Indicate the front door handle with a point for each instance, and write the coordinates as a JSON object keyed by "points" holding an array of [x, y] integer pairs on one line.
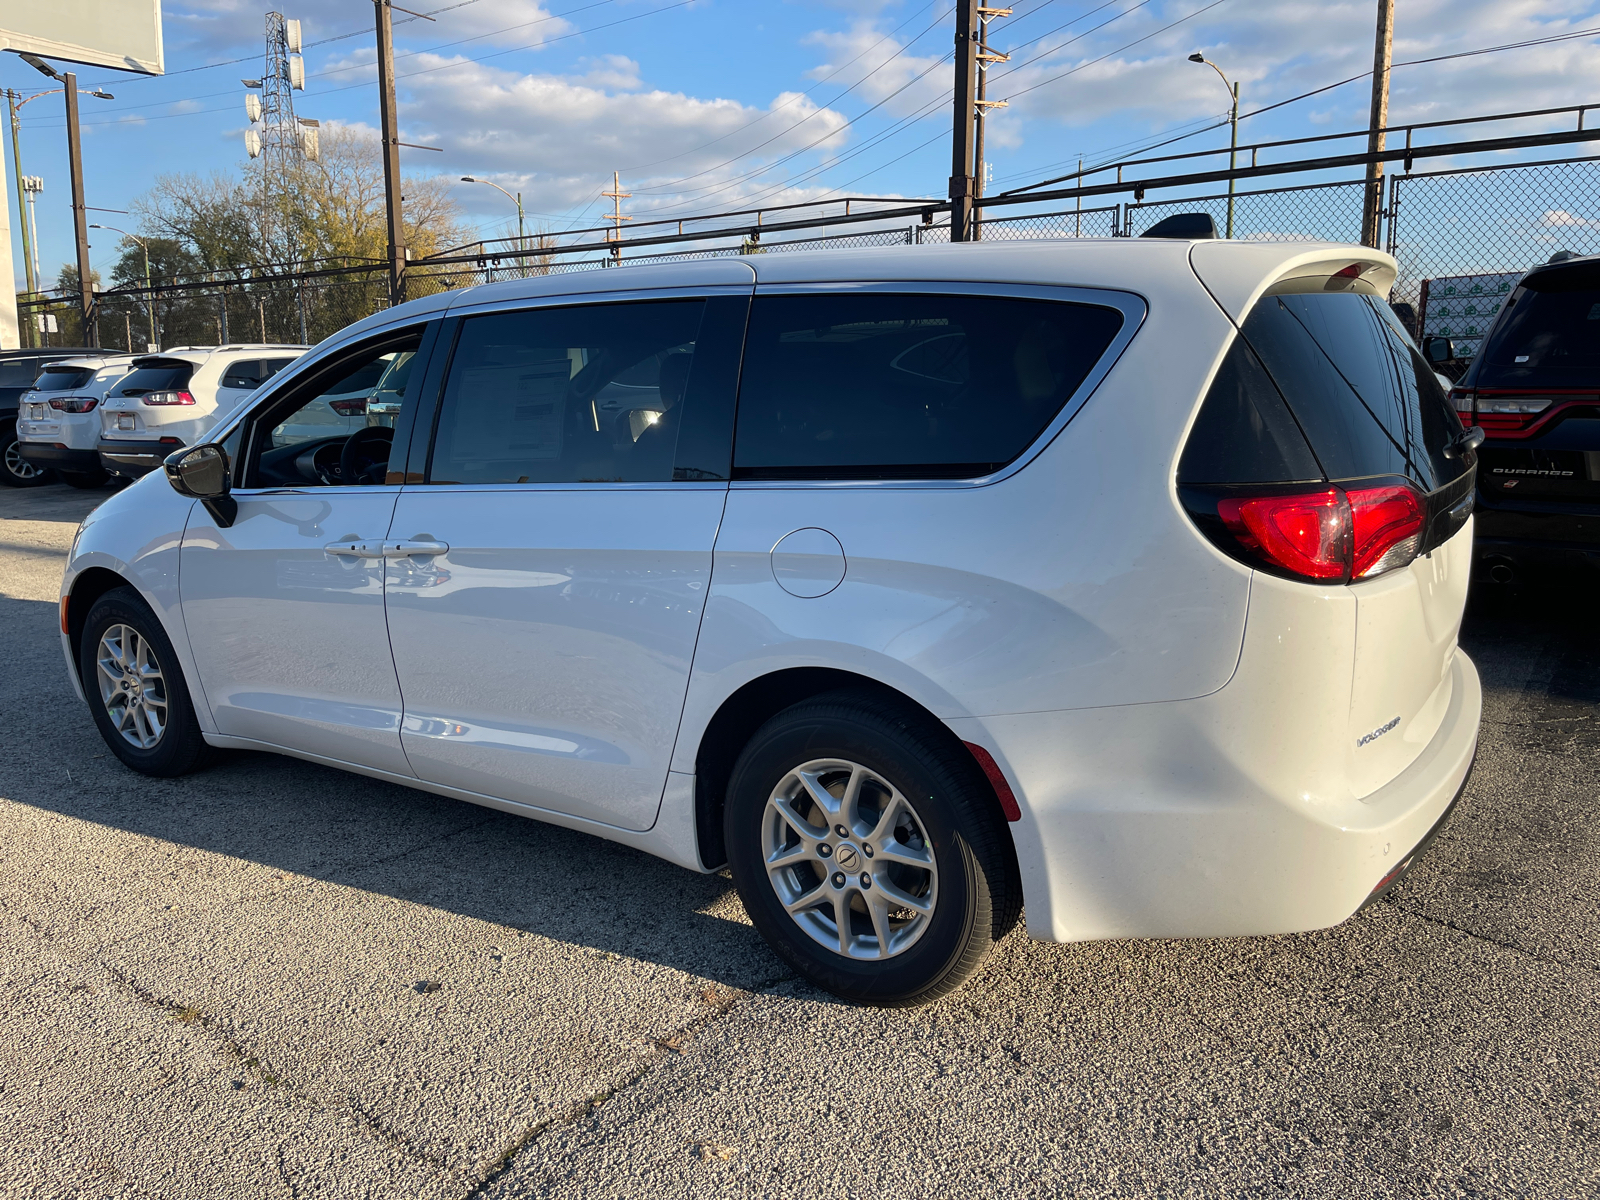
{"points": [[355, 549], [407, 549]]}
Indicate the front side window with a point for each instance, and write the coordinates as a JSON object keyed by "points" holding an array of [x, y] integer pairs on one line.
{"points": [[888, 386], [335, 426], [586, 394]]}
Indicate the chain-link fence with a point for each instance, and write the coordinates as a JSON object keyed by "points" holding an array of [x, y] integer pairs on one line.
{"points": [[1461, 236]]}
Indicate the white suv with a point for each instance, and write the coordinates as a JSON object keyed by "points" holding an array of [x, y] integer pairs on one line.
{"points": [[1118, 579], [170, 399], [58, 422]]}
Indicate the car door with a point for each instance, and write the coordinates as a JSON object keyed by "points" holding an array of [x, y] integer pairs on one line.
{"points": [[545, 584], [284, 602]]}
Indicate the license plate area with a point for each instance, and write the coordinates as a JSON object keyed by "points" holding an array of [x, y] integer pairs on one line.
{"points": [[125, 422], [36, 412]]}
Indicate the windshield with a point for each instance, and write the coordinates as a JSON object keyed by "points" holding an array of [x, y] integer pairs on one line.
{"points": [[62, 379], [1548, 334]]}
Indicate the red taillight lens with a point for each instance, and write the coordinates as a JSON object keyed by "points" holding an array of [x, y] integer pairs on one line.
{"points": [[74, 404], [1462, 398], [1308, 534], [1387, 524], [349, 408], [154, 398], [1332, 535]]}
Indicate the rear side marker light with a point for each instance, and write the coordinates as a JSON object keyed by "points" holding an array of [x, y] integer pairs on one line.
{"points": [[1334, 535], [159, 398], [997, 780], [75, 404]]}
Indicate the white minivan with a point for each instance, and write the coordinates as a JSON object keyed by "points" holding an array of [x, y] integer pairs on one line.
{"points": [[1117, 580]]}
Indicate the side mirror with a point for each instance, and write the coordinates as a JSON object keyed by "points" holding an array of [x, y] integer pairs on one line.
{"points": [[1438, 349], [202, 472]]}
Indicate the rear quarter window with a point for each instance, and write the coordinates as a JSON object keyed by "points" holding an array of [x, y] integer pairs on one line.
{"points": [[897, 386], [1361, 393]]}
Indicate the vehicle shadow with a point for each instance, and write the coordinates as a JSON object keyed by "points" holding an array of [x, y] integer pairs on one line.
{"points": [[319, 823]]}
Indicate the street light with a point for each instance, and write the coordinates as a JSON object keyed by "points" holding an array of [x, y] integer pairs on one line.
{"points": [[521, 244], [1233, 120], [149, 296], [30, 248]]}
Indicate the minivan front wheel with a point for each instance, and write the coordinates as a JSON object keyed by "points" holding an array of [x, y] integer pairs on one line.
{"points": [[867, 850], [136, 689]]}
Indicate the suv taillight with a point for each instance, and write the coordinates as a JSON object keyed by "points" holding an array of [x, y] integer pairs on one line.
{"points": [[75, 404], [1463, 399], [154, 398], [349, 408], [1332, 535]]}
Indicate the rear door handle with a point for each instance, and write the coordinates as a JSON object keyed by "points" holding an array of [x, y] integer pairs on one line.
{"points": [[355, 549], [407, 549]]}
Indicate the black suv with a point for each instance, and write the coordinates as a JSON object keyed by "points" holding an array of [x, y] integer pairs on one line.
{"points": [[18, 370], [1534, 389]]}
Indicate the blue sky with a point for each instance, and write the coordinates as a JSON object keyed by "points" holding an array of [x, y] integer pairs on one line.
{"points": [[709, 104]]}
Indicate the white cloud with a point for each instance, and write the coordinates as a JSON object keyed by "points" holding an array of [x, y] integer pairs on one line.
{"points": [[559, 139], [879, 68], [490, 23]]}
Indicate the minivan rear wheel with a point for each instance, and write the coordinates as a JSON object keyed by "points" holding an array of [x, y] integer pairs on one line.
{"points": [[868, 850], [136, 689]]}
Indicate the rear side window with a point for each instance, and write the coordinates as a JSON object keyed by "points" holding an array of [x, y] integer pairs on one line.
{"points": [[62, 379], [1548, 334], [165, 377], [891, 386], [583, 394], [1361, 393]]}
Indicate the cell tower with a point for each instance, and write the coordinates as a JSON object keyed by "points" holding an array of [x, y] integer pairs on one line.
{"points": [[282, 137]]}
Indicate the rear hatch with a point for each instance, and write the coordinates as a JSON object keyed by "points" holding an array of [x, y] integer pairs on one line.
{"points": [[1534, 389], [154, 393], [1327, 451]]}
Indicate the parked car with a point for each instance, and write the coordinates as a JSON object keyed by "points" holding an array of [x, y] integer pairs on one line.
{"points": [[1534, 390], [58, 422], [171, 399], [18, 369], [1117, 579]]}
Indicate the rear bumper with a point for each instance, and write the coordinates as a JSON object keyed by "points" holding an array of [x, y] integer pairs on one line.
{"points": [[64, 458], [1141, 821], [133, 458]]}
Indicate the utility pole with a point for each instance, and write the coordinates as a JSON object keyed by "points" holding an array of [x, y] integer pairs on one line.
{"points": [[983, 104], [1383, 53], [80, 222], [22, 199], [617, 196], [391, 153], [962, 185]]}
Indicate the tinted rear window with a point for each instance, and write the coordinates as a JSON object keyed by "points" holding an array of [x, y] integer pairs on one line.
{"points": [[62, 379], [1363, 396], [885, 386], [18, 372], [1548, 334], [155, 379]]}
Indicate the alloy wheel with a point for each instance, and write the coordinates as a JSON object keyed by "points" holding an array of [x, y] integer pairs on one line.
{"points": [[132, 686], [849, 859], [17, 465]]}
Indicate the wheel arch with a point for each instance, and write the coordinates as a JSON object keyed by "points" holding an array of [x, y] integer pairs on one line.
{"points": [[89, 586], [754, 703]]}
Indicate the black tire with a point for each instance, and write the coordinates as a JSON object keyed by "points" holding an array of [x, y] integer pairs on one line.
{"points": [[179, 747], [87, 480], [977, 897], [15, 470]]}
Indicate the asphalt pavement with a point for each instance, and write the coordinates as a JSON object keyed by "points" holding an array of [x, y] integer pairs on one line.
{"points": [[275, 979]]}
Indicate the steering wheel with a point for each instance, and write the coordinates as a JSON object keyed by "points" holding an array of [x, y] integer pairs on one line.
{"points": [[361, 460]]}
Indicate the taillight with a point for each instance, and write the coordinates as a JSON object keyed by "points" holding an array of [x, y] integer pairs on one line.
{"points": [[349, 408], [1463, 399], [1333, 535], [155, 398], [75, 404], [1307, 534], [1386, 524]]}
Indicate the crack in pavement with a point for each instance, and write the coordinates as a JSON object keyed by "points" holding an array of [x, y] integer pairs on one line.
{"points": [[719, 1003], [1493, 941]]}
